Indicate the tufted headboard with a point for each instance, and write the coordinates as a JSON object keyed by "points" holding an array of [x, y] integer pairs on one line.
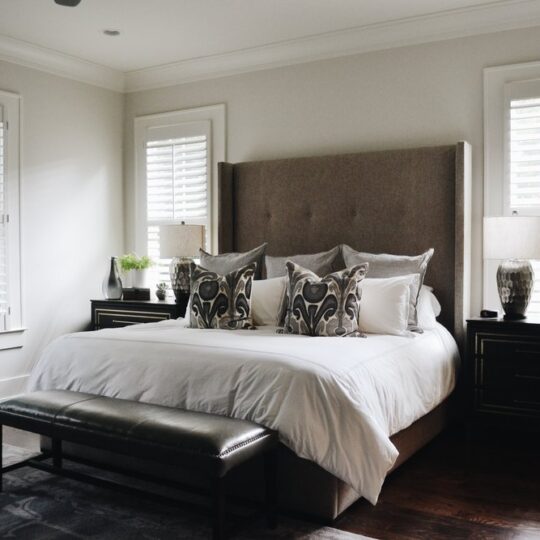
{"points": [[396, 201]]}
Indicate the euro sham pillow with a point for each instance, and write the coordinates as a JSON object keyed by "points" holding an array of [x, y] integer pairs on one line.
{"points": [[428, 308], [226, 263], [385, 305], [385, 265], [327, 306], [221, 301], [321, 263], [266, 298]]}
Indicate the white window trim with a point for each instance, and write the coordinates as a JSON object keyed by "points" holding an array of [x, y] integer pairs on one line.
{"points": [[12, 338], [496, 186], [215, 114]]}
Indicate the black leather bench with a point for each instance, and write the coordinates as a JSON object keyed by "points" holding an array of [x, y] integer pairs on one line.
{"points": [[209, 443]]}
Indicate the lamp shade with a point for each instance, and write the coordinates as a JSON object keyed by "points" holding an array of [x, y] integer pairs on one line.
{"points": [[512, 237], [180, 240]]}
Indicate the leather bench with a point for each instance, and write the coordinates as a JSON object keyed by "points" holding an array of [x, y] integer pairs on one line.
{"points": [[209, 443]]}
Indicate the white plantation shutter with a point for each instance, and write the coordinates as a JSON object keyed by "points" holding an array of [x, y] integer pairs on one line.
{"points": [[3, 225], [522, 159], [177, 185], [524, 155]]}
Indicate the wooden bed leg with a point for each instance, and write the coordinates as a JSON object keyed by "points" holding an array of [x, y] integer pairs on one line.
{"points": [[57, 453], [270, 479], [218, 532]]}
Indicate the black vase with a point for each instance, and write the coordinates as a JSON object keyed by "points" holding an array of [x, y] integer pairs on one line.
{"points": [[112, 284]]}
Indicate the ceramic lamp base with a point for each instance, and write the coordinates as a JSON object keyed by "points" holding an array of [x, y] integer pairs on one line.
{"points": [[179, 271], [515, 281]]}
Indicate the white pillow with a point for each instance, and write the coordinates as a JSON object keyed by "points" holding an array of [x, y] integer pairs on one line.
{"points": [[266, 298], [428, 308], [384, 306]]}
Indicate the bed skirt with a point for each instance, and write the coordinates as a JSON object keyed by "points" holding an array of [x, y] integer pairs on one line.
{"points": [[304, 487]]}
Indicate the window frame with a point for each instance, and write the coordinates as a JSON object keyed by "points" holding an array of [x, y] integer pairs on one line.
{"points": [[500, 85], [12, 336], [215, 116]]}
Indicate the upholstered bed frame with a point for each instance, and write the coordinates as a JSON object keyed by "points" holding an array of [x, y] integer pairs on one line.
{"points": [[402, 201]]}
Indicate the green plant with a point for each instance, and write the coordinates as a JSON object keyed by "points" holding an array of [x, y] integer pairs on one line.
{"points": [[132, 261]]}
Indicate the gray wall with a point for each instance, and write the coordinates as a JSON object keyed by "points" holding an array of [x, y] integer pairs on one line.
{"points": [[422, 95], [71, 206]]}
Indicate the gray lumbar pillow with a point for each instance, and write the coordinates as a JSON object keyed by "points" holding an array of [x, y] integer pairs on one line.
{"points": [[321, 263], [229, 262], [384, 265]]}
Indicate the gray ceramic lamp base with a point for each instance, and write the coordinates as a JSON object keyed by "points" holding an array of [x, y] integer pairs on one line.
{"points": [[180, 276], [515, 281]]}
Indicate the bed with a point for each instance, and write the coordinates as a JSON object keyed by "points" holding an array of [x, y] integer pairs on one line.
{"points": [[348, 410]]}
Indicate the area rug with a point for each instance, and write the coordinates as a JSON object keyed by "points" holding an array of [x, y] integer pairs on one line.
{"points": [[37, 505]]}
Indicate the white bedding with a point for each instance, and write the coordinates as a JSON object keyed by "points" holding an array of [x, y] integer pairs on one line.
{"points": [[335, 401]]}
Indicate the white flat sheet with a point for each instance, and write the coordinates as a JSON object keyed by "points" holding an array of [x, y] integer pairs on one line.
{"points": [[335, 401]]}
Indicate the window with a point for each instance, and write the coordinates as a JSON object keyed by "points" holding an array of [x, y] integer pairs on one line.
{"points": [[10, 295], [177, 156], [511, 155]]}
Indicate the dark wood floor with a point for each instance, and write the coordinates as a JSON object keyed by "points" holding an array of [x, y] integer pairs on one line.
{"points": [[446, 492]]}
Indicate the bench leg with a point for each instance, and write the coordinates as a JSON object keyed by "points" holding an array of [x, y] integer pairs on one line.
{"points": [[57, 453], [270, 479], [1, 458], [219, 509]]}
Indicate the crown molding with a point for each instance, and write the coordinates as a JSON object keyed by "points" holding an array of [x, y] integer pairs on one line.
{"points": [[480, 19], [63, 65]]}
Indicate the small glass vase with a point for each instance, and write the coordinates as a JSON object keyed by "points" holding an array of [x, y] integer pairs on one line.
{"points": [[112, 284]]}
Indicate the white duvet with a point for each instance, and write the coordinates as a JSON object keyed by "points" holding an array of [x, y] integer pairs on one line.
{"points": [[335, 401]]}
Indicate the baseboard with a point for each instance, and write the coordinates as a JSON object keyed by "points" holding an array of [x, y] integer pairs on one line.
{"points": [[13, 386]]}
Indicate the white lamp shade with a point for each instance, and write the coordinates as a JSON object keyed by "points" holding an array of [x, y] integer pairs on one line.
{"points": [[180, 240], [512, 237]]}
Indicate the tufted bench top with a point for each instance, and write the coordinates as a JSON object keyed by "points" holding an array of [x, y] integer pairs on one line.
{"points": [[184, 438]]}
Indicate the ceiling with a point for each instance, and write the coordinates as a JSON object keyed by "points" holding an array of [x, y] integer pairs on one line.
{"points": [[161, 32]]}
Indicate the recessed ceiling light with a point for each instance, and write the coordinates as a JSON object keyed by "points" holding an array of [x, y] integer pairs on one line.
{"points": [[111, 32]]}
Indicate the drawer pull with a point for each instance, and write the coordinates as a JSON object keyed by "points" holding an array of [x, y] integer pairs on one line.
{"points": [[527, 377], [521, 402], [124, 322]]}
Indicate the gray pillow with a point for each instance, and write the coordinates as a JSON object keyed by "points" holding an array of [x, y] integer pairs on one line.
{"points": [[229, 262], [321, 263], [324, 306], [385, 265]]}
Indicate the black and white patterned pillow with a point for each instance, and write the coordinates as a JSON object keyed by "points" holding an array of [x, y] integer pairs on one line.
{"points": [[327, 306], [218, 301]]}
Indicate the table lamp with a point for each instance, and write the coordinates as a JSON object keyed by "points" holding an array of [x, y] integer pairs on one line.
{"points": [[182, 244], [516, 240]]}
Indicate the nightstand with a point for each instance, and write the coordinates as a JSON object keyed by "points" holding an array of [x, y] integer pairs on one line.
{"points": [[503, 372], [118, 313]]}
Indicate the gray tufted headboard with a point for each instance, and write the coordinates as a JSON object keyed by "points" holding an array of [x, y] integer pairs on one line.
{"points": [[397, 201]]}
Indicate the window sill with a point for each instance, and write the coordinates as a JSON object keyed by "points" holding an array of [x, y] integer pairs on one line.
{"points": [[12, 339]]}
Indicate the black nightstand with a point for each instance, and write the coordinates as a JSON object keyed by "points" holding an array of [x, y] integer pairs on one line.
{"points": [[118, 313], [503, 372]]}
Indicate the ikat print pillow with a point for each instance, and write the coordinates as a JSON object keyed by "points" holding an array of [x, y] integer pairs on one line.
{"points": [[327, 306], [218, 301]]}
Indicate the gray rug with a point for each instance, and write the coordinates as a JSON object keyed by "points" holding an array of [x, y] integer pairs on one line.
{"points": [[37, 505]]}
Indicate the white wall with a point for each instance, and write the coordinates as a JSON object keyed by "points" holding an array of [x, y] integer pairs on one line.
{"points": [[71, 206], [422, 95]]}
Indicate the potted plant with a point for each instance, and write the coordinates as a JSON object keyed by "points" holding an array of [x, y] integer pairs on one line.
{"points": [[161, 290], [135, 267]]}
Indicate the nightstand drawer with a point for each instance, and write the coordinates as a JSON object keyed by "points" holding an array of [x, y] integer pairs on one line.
{"points": [[110, 318], [520, 398], [503, 361]]}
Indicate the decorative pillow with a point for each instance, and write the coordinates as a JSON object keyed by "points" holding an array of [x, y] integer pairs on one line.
{"points": [[221, 301], [384, 265], [228, 262], [321, 263], [266, 297], [327, 306], [385, 305]]}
